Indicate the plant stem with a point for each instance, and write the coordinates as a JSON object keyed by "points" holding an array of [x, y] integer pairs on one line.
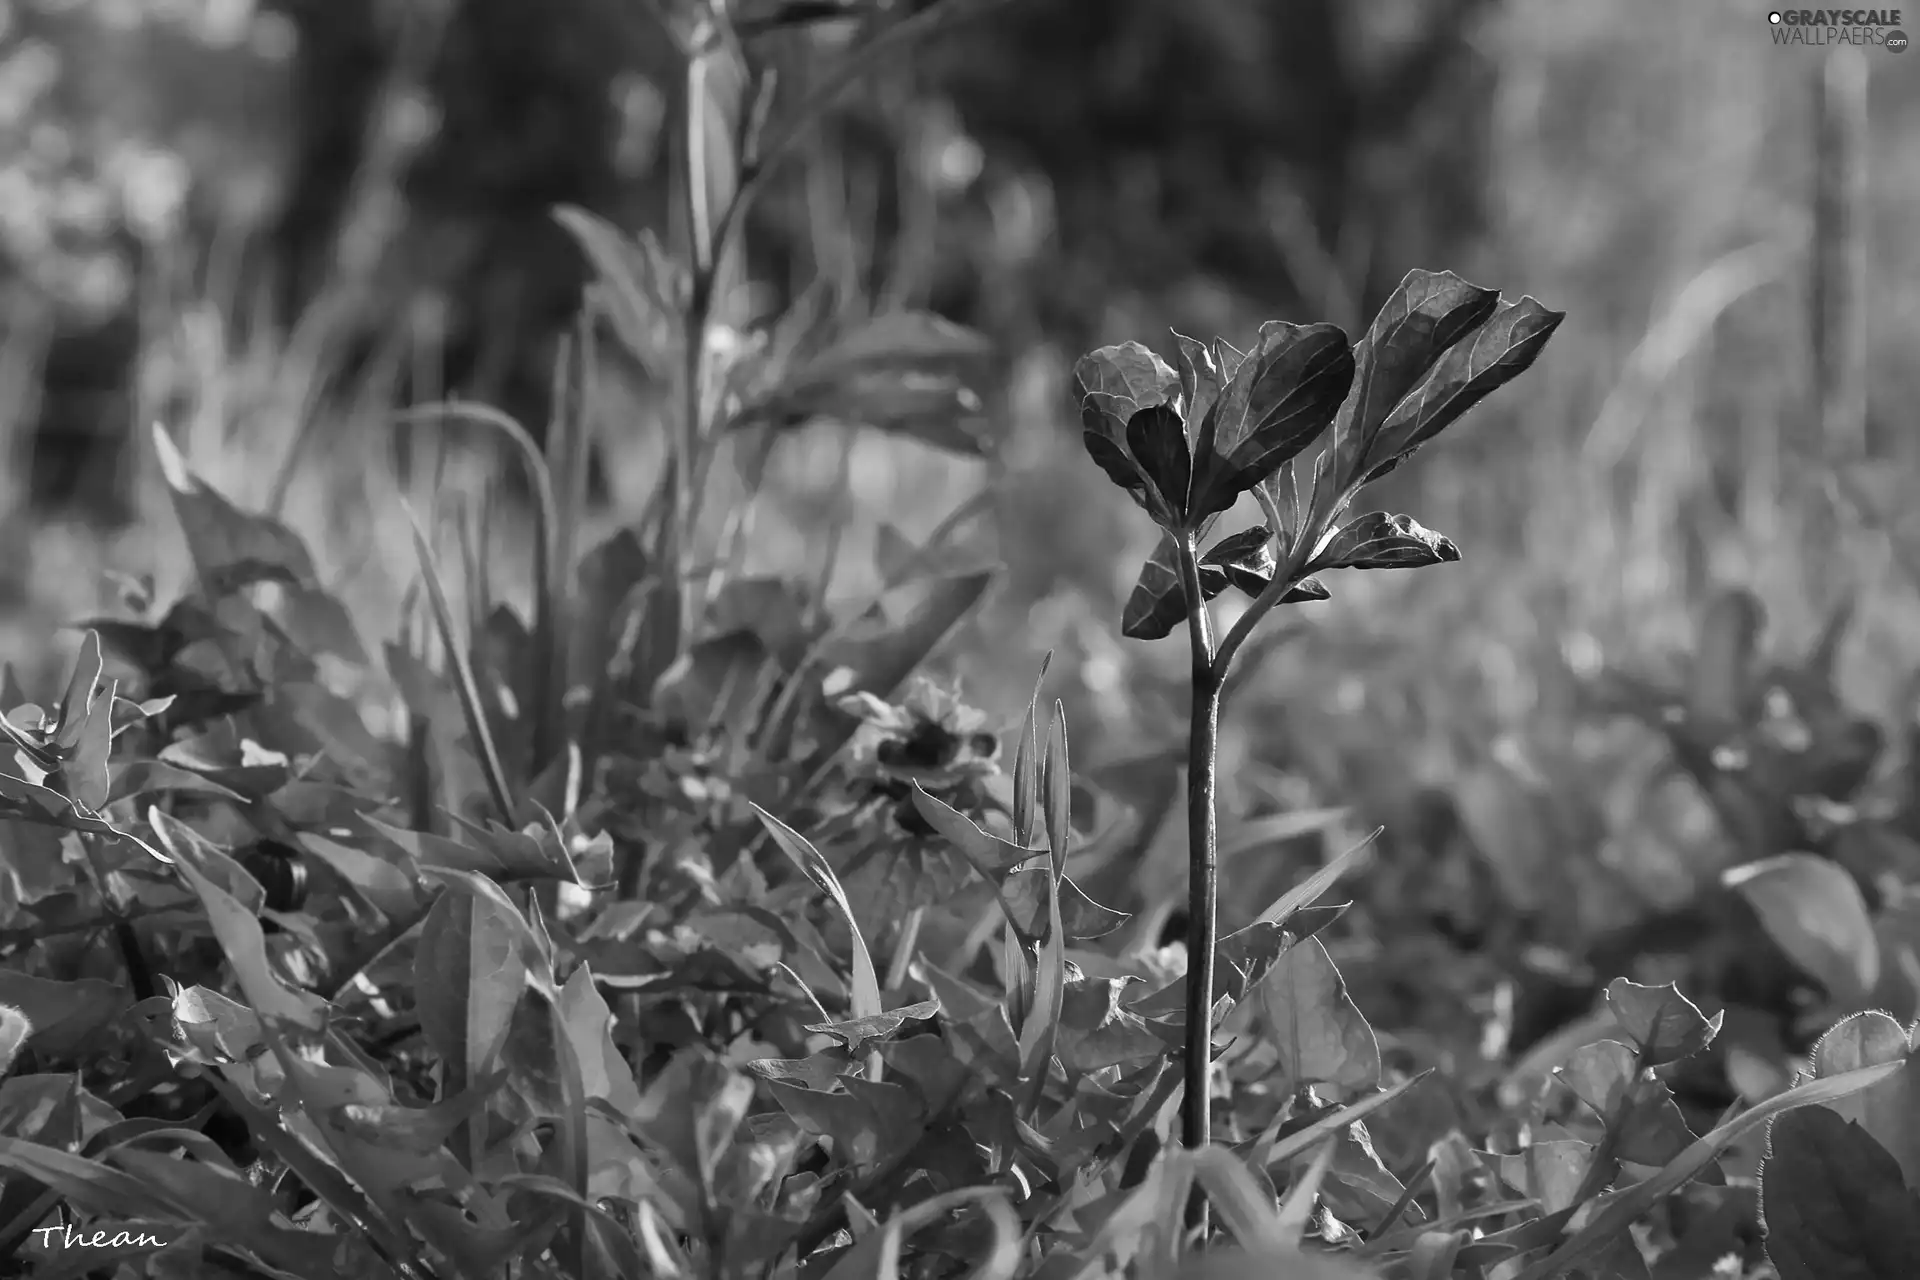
{"points": [[1203, 867]]}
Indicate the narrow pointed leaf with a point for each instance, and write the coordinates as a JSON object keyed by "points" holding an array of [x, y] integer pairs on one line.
{"points": [[865, 986], [1058, 784], [1026, 765]]}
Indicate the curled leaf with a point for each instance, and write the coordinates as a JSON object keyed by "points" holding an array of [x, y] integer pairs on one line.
{"points": [[1245, 558], [1381, 541], [1113, 384], [1663, 1024]]}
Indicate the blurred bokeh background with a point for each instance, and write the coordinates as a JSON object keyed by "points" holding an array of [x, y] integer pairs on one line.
{"points": [[269, 224]]}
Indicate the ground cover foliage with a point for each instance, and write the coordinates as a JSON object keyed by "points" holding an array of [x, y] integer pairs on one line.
{"points": [[688, 921]]}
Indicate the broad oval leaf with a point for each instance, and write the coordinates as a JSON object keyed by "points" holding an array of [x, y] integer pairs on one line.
{"points": [[1381, 541], [1505, 346], [1890, 1110], [1815, 911], [1833, 1202], [1284, 394]]}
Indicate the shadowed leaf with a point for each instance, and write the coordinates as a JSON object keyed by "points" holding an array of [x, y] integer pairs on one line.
{"points": [[1158, 443], [1285, 393], [1158, 603], [1833, 1202]]}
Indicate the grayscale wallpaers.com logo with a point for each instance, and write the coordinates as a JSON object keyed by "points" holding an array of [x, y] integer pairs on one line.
{"points": [[1839, 26]]}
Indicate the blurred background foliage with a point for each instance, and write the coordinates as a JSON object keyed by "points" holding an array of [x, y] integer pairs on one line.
{"points": [[269, 223]]}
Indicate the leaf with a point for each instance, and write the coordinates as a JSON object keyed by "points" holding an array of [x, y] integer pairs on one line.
{"points": [[1319, 1033], [1082, 917], [1057, 785], [1026, 766], [1282, 397], [1425, 316], [1112, 384], [860, 1033], [62, 1017], [231, 548], [1200, 380], [1503, 348], [132, 779], [604, 1070], [606, 580], [1158, 443], [1833, 1202], [1097, 1030], [909, 373], [1381, 541], [1158, 603], [238, 931], [1311, 889], [506, 856], [1814, 910], [14, 1030], [1663, 1024], [1629, 1205], [465, 685], [991, 856], [1246, 558], [380, 884], [639, 287], [1889, 1111], [25, 802], [865, 988], [469, 971]]}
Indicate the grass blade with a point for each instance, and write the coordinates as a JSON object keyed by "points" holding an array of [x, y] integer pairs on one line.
{"points": [[470, 704], [865, 987]]}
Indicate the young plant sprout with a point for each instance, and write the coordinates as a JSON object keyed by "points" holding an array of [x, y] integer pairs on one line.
{"points": [[1187, 443]]}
